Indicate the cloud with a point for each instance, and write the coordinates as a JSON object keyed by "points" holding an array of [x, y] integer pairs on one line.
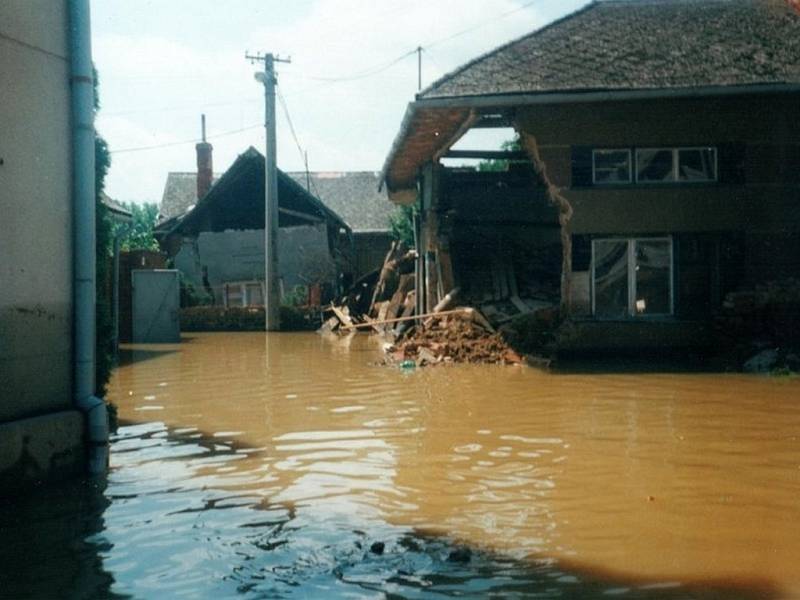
{"points": [[154, 86]]}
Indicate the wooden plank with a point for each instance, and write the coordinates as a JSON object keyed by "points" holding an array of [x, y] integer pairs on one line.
{"points": [[445, 261], [455, 311], [340, 314], [512, 279], [519, 304]]}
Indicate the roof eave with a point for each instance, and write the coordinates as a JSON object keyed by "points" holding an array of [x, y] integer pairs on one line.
{"points": [[400, 191]]}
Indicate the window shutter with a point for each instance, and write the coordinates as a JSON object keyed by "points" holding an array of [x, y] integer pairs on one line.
{"points": [[732, 163], [581, 166]]}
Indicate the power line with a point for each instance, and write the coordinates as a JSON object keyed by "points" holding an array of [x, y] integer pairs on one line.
{"points": [[479, 25], [303, 154], [366, 72], [193, 107], [291, 125], [181, 143]]}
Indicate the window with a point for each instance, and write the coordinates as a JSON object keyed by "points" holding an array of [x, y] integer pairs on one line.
{"points": [[659, 165], [632, 278], [611, 166], [697, 164], [243, 293]]}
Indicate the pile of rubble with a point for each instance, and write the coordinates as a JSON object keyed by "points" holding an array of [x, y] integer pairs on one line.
{"points": [[384, 302], [453, 338]]}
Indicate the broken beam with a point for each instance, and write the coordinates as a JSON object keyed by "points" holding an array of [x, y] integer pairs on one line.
{"points": [[486, 154], [444, 313]]}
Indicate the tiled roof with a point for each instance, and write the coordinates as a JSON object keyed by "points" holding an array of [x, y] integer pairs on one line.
{"points": [[353, 195], [641, 45], [180, 192], [116, 209], [236, 201]]}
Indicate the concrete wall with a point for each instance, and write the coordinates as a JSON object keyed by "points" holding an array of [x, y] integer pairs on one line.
{"points": [[41, 436], [303, 257], [35, 202]]}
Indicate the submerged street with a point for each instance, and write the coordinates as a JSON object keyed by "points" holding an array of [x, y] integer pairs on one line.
{"points": [[291, 465]]}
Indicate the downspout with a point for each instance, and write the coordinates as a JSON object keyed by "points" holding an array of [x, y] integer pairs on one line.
{"points": [[83, 226]]}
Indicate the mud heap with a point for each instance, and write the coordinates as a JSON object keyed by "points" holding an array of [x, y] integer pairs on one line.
{"points": [[456, 338]]}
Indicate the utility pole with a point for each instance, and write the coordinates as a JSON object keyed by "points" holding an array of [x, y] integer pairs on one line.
{"points": [[272, 290], [419, 68]]}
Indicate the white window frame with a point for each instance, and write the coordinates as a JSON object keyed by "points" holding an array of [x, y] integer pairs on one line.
{"points": [[242, 285], [676, 180], [595, 151], [631, 264], [678, 164]]}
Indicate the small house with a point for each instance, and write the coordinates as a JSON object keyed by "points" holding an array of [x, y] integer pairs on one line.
{"points": [[216, 236]]}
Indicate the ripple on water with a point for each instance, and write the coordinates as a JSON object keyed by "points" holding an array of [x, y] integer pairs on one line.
{"points": [[253, 479]]}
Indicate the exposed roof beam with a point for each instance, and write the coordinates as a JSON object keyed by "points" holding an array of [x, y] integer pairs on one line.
{"points": [[486, 154], [300, 215]]}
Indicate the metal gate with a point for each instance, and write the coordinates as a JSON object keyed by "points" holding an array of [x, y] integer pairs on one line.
{"points": [[156, 299]]}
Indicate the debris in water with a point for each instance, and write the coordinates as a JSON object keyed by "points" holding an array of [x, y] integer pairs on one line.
{"points": [[377, 548], [460, 555]]}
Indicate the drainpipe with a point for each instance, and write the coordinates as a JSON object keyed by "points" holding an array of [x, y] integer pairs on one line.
{"points": [[83, 225]]}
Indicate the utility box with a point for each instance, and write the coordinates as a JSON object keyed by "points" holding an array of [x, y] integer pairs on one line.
{"points": [[156, 300]]}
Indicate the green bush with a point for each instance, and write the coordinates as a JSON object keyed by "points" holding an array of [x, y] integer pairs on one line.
{"points": [[250, 318]]}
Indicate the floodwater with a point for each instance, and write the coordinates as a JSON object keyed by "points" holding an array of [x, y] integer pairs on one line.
{"points": [[269, 466]]}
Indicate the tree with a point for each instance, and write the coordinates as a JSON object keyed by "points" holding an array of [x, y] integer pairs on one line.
{"points": [[401, 224], [512, 145], [104, 350], [138, 235]]}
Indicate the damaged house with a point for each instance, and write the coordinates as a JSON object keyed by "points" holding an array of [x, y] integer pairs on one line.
{"points": [[658, 170], [354, 196], [218, 243]]}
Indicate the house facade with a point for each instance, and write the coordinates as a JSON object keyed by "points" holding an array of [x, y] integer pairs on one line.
{"points": [[658, 170]]}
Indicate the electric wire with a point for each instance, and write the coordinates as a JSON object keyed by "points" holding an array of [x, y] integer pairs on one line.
{"points": [[285, 109], [325, 81], [182, 142]]}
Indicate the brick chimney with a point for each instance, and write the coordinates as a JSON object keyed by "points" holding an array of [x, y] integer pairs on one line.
{"points": [[205, 168]]}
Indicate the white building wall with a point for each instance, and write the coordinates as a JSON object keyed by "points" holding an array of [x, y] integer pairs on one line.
{"points": [[35, 209]]}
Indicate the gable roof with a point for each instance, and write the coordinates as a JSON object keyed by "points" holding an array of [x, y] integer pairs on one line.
{"points": [[353, 195], [180, 192], [641, 44], [115, 209], [236, 201], [607, 50]]}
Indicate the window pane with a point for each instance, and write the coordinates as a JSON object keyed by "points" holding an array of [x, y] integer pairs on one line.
{"points": [[611, 278], [653, 277], [254, 295], [697, 164], [234, 297], [654, 165], [612, 166]]}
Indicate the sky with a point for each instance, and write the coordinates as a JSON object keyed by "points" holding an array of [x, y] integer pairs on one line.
{"points": [[353, 70]]}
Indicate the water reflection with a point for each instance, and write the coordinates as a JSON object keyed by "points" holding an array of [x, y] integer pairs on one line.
{"points": [[271, 468]]}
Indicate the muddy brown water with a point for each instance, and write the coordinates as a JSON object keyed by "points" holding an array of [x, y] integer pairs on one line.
{"points": [[268, 466]]}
